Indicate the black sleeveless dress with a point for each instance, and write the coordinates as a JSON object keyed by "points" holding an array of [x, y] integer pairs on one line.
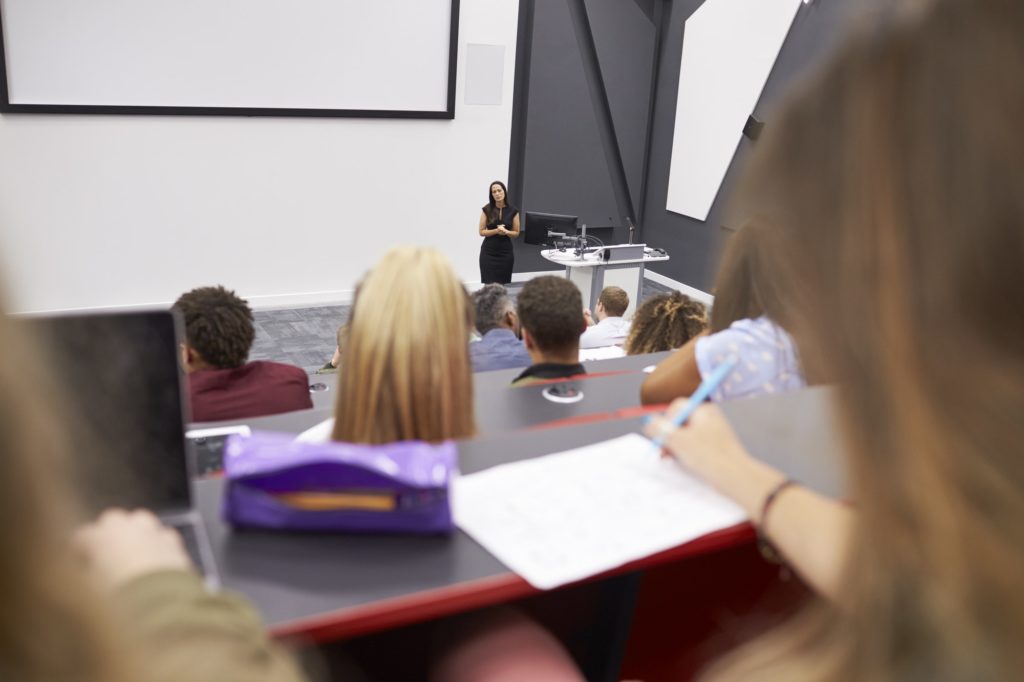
{"points": [[496, 255]]}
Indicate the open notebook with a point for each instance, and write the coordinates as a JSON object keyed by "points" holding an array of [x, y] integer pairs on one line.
{"points": [[567, 516]]}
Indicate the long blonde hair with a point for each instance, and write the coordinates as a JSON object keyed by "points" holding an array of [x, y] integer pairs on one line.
{"points": [[52, 626], [899, 179], [405, 370]]}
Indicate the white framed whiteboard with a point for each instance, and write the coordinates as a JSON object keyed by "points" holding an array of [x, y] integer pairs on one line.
{"points": [[366, 58]]}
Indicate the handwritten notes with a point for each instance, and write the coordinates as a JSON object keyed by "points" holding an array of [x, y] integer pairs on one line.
{"points": [[564, 517]]}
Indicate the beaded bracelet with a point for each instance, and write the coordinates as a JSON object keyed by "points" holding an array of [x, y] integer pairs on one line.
{"points": [[768, 550]]}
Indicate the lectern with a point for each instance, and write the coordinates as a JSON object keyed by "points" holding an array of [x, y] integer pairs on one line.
{"points": [[594, 269]]}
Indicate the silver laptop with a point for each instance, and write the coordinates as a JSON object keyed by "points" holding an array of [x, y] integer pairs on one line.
{"points": [[123, 389]]}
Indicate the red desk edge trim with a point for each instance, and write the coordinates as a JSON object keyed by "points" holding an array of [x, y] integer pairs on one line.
{"points": [[430, 604]]}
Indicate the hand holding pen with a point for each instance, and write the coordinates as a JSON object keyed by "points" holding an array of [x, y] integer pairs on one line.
{"points": [[701, 439], [683, 411]]}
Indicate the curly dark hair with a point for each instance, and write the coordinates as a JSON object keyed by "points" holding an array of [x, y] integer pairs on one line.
{"points": [[551, 309], [664, 322], [218, 325]]}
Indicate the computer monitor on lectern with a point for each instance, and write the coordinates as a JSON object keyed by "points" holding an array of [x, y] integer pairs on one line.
{"points": [[538, 225]]}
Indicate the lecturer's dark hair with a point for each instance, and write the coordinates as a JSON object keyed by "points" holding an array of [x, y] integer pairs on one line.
{"points": [[491, 209]]}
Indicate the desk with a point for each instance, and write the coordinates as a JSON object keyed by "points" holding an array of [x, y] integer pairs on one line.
{"points": [[483, 381], [338, 586], [287, 422], [591, 274], [604, 396], [322, 389], [326, 384], [612, 386]]}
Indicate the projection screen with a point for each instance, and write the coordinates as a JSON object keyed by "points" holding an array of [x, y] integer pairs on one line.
{"points": [[393, 58]]}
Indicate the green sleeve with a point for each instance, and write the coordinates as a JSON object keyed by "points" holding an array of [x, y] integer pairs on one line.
{"points": [[188, 633]]}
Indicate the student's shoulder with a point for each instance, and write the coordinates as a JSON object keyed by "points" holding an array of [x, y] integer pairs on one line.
{"points": [[740, 338], [279, 369], [744, 333]]}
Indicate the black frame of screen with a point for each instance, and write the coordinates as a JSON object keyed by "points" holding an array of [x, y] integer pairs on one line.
{"points": [[449, 113]]}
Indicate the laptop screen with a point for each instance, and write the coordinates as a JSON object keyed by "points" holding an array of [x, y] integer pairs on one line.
{"points": [[122, 391]]}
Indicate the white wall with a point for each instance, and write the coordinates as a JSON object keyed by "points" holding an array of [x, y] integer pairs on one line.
{"points": [[122, 211]]}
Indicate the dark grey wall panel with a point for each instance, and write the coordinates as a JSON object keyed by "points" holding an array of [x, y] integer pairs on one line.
{"points": [[648, 7], [580, 146], [572, 98], [565, 164], [694, 245], [563, 160], [625, 39]]}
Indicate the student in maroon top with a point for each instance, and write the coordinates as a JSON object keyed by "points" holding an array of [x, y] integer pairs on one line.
{"points": [[222, 385]]}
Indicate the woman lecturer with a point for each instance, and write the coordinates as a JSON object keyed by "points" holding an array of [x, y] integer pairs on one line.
{"points": [[499, 225]]}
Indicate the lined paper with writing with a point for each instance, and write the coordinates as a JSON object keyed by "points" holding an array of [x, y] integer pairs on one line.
{"points": [[564, 517]]}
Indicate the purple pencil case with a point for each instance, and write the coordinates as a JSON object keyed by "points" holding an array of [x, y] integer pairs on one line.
{"points": [[275, 482]]}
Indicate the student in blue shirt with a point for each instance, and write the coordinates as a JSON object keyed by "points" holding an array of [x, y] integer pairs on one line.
{"points": [[498, 324], [747, 321]]}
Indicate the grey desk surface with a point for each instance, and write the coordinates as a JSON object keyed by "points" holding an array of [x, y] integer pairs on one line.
{"points": [[499, 407], [301, 582], [322, 389], [289, 422], [509, 409], [630, 363]]}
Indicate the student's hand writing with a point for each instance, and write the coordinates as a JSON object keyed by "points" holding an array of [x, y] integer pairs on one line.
{"points": [[122, 545], [706, 445]]}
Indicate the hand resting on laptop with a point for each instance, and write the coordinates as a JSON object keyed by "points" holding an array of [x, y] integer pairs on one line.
{"points": [[122, 545]]}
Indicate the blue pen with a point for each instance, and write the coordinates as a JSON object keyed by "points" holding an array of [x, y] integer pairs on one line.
{"points": [[700, 395]]}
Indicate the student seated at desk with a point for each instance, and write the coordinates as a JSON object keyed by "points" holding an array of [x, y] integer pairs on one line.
{"points": [[406, 375], [745, 322], [610, 328], [125, 605], [405, 371], [665, 322], [218, 335], [551, 314], [903, 250], [499, 346], [331, 366]]}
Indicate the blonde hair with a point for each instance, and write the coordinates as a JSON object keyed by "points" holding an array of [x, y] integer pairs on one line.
{"points": [[899, 179], [405, 373], [52, 625]]}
